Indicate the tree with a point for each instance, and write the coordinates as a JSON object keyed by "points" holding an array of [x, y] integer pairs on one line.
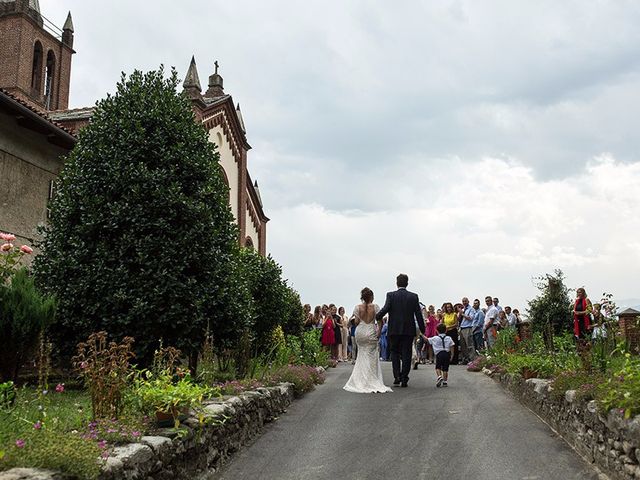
{"points": [[264, 277], [141, 239], [293, 318], [550, 311], [24, 314]]}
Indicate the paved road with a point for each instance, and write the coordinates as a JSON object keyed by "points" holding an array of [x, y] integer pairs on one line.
{"points": [[471, 430]]}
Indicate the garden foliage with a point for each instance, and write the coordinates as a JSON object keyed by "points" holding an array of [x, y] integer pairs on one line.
{"points": [[141, 237]]}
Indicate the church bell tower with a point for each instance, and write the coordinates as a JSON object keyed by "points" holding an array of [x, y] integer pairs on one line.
{"points": [[35, 55]]}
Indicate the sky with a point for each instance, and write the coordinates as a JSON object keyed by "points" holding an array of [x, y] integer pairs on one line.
{"points": [[473, 145]]}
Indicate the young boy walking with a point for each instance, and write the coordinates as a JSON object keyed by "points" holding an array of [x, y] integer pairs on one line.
{"points": [[443, 349]]}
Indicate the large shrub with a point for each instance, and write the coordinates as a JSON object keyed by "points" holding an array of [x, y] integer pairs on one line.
{"points": [[550, 311], [24, 314], [269, 294], [141, 236]]}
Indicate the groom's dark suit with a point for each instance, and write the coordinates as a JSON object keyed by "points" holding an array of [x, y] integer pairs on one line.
{"points": [[404, 311]]}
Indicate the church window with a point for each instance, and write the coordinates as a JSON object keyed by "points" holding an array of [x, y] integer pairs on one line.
{"points": [[248, 242], [36, 71], [48, 84], [52, 194]]}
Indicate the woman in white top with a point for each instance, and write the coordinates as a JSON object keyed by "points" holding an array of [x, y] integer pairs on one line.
{"points": [[366, 376], [345, 335]]}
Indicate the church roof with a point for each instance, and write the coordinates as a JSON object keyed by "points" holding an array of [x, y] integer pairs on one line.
{"points": [[68, 24], [72, 114], [192, 80]]}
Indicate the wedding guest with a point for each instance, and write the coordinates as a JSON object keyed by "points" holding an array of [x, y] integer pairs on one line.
{"points": [[440, 316], [431, 331], [337, 327], [344, 334], [581, 312], [352, 337], [308, 317], [502, 320], [489, 329], [512, 320], [450, 320], [495, 302], [317, 317], [465, 317], [383, 340], [328, 334], [477, 324], [443, 347]]}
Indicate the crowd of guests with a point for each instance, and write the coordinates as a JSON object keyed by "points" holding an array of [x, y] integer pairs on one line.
{"points": [[471, 327]]}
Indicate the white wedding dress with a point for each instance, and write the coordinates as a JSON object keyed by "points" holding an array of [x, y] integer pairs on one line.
{"points": [[366, 376]]}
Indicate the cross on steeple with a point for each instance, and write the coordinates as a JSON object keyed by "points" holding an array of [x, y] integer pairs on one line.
{"points": [[216, 65]]}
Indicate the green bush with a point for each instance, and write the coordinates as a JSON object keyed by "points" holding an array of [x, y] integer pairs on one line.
{"points": [[24, 313], [312, 352], [622, 388], [141, 236]]}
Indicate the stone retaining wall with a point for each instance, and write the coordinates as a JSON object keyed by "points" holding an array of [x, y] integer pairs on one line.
{"points": [[609, 441], [192, 451]]}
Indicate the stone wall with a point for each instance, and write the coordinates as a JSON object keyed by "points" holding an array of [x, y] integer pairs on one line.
{"points": [[194, 450], [609, 441]]}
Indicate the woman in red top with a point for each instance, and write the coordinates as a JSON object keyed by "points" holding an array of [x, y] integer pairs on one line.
{"points": [[328, 333], [581, 312]]}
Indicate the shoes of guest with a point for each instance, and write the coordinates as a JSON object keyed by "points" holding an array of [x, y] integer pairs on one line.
{"points": [[404, 385], [439, 382], [415, 366], [396, 382], [444, 384]]}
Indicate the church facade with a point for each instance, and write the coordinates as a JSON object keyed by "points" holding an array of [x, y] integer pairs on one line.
{"points": [[37, 128]]}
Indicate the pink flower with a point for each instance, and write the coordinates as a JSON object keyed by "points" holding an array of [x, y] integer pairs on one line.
{"points": [[6, 247], [26, 249], [7, 237], [37, 425], [20, 443], [135, 433], [60, 388], [102, 444], [83, 365]]}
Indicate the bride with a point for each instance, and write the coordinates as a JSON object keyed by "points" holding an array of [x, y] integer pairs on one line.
{"points": [[366, 376]]}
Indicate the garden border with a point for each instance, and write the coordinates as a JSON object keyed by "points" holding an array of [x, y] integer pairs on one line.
{"points": [[195, 448], [611, 442]]}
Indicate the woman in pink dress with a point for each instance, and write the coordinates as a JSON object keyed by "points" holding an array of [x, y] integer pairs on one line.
{"points": [[430, 331]]}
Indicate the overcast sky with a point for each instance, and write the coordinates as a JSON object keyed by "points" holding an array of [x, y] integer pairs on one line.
{"points": [[471, 144]]}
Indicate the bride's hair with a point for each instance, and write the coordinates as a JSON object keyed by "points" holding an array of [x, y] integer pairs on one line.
{"points": [[366, 295]]}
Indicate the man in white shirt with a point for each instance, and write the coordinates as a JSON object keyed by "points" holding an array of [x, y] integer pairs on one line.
{"points": [[511, 317], [490, 321]]}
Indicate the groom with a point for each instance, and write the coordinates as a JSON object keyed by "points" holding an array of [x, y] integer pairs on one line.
{"points": [[404, 311]]}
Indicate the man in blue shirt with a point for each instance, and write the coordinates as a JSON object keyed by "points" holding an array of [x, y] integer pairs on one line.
{"points": [[467, 350], [476, 326]]}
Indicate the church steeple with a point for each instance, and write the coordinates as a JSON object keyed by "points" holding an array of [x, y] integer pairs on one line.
{"points": [[67, 31], [191, 82], [215, 84]]}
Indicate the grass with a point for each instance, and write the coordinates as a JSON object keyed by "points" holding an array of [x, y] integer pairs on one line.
{"points": [[63, 412]]}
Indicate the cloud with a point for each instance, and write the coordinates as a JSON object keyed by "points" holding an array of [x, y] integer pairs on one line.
{"points": [[491, 233]]}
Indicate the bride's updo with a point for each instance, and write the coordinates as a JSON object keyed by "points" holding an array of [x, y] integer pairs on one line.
{"points": [[366, 295]]}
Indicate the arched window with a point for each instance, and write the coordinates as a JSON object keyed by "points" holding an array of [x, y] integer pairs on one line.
{"points": [[248, 242], [49, 76], [226, 181], [36, 71]]}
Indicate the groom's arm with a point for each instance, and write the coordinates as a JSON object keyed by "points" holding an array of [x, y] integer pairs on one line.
{"points": [[418, 315], [385, 309]]}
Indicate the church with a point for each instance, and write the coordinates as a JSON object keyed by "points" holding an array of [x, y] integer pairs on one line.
{"points": [[37, 128]]}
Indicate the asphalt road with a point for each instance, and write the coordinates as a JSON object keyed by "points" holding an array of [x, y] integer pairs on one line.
{"points": [[470, 430]]}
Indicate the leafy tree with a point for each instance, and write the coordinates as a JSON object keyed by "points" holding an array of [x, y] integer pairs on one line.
{"points": [[141, 238], [24, 313], [293, 315], [269, 293], [550, 311]]}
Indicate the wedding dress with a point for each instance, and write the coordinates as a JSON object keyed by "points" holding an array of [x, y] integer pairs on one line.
{"points": [[366, 376]]}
